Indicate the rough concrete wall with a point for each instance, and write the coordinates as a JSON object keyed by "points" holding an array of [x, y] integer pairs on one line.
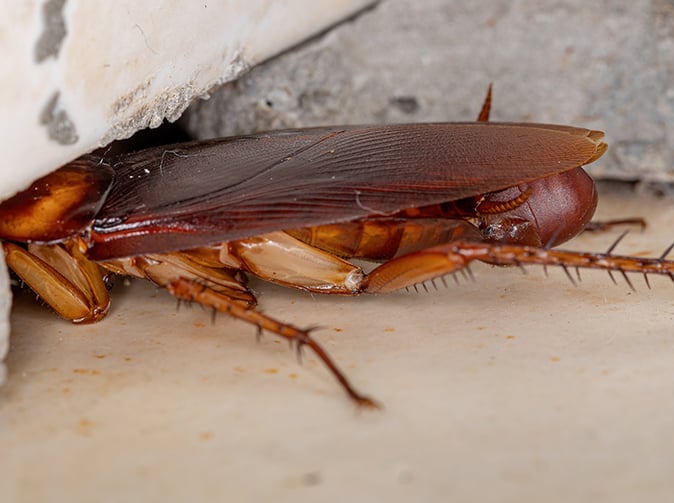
{"points": [[606, 64]]}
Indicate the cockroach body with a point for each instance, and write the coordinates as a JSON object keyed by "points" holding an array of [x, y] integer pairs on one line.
{"points": [[292, 206]]}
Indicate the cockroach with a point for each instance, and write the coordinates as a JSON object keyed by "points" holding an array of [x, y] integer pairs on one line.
{"points": [[291, 207]]}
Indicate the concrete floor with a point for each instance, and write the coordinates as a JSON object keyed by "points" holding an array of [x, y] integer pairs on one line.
{"points": [[512, 388]]}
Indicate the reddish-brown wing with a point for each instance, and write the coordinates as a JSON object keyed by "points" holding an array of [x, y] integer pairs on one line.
{"points": [[200, 193]]}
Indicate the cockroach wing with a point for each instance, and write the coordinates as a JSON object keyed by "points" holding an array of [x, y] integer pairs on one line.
{"points": [[200, 193]]}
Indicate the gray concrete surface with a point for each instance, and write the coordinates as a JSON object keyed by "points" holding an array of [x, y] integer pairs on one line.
{"points": [[606, 64]]}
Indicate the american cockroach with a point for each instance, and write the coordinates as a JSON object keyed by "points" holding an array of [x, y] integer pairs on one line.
{"points": [[292, 206]]}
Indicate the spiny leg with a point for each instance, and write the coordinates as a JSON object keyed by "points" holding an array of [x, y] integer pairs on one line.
{"points": [[436, 261], [519, 255], [604, 225], [193, 291]]}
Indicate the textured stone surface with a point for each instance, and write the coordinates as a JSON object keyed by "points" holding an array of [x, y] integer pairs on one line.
{"points": [[607, 65]]}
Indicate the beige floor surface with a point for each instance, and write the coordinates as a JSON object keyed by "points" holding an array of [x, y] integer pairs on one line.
{"points": [[513, 388]]}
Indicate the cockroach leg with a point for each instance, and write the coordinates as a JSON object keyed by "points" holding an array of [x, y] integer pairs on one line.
{"points": [[162, 268], [193, 291], [421, 266], [601, 226], [283, 259], [70, 283], [504, 254]]}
